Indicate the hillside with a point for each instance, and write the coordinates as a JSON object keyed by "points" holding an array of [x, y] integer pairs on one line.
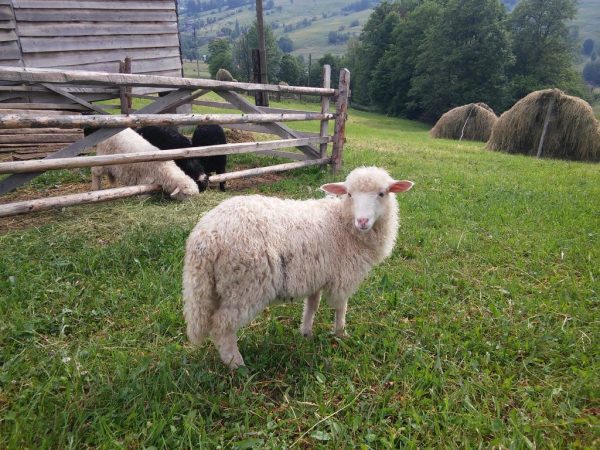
{"points": [[309, 22]]}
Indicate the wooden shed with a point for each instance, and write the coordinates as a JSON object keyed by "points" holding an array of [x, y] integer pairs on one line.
{"points": [[94, 35]]}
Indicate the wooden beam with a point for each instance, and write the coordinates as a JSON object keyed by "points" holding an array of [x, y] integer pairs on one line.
{"points": [[160, 155], [138, 120], [270, 169], [276, 128], [13, 209], [340, 121], [80, 77]]}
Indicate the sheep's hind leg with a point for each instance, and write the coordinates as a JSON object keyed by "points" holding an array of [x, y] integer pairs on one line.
{"points": [[311, 304], [225, 339]]}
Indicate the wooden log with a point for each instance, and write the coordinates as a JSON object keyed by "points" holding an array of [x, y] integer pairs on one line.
{"points": [[32, 75], [270, 169], [325, 107], [27, 156], [160, 155], [340, 121], [138, 120], [39, 138], [13, 209]]}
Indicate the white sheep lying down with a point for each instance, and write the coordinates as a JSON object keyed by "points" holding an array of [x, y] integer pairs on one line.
{"points": [[166, 173], [250, 252]]}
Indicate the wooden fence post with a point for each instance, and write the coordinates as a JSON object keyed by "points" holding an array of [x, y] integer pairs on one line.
{"points": [[325, 107], [545, 129], [125, 92], [341, 109]]}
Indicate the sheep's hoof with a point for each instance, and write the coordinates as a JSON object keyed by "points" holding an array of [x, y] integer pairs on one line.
{"points": [[306, 332], [341, 334]]}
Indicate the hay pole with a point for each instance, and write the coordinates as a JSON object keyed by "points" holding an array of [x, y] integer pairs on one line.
{"points": [[462, 132], [159, 155], [545, 129], [42, 204], [138, 120]]}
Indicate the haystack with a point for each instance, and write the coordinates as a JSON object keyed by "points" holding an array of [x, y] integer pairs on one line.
{"points": [[224, 75], [473, 122], [551, 124]]}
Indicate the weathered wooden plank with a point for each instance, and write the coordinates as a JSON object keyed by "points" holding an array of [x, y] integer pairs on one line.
{"points": [[95, 4], [32, 75], [28, 156], [160, 155], [37, 29], [20, 131], [64, 44], [257, 128], [138, 65], [13, 209], [66, 15], [33, 112], [138, 120], [47, 138], [9, 50], [270, 169], [276, 128], [5, 12], [7, 36], [60, 59], [7, 25], [41, 106]]}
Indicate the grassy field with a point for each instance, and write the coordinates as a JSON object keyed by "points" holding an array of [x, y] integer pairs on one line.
{"points": [[481, 330]]}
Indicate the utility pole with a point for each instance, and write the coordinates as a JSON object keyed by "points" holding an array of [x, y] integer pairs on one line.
{"points": [[264, 96]]}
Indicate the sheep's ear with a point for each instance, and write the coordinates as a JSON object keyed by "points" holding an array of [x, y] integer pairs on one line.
{"points": [[334, 188], [175, 192], [400, 186]]}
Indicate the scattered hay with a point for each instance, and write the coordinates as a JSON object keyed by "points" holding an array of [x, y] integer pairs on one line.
{"points": [[473, 122], [573, 132], [233, 136]]}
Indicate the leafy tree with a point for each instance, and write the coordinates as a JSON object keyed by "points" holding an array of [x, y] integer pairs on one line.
{"points": [[391, 80], [462, 58], [337, 63], [541, 45], [285, 44], [242, 54], [588, 47], [591, 73], [291, 70], [219, 56]]}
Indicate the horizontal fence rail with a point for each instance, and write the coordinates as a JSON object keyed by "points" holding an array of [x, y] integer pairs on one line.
{"points": [[29, 75], [138, 120], [160, 155]]}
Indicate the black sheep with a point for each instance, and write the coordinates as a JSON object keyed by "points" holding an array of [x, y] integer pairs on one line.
{"points": [[211, 135], [167, 138]]}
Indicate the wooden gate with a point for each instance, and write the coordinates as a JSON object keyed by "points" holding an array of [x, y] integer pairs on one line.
{"points": [[312, 147]]}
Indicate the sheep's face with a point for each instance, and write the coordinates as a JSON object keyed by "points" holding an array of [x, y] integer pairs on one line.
{"points": [[184, 192], [368, 191]]}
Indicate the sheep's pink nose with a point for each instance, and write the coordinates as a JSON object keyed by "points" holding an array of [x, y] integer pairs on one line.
{"points": [[362, 222]]}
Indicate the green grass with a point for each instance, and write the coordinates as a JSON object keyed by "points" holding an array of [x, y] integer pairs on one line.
{"points": [[481, 330]]}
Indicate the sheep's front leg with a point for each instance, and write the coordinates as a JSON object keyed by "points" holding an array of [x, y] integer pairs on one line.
{"points": [[340, 320], [311, 304], [226, 344]]}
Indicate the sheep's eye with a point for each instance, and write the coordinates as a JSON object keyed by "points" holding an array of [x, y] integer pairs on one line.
{"points": [[381, 194], [349, 194]]}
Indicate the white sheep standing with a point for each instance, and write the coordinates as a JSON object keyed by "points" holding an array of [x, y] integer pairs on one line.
{"points": [[166, 173], [253, 251]]}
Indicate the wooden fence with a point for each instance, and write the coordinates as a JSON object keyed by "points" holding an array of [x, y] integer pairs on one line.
{"points": [[313, 147]]}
